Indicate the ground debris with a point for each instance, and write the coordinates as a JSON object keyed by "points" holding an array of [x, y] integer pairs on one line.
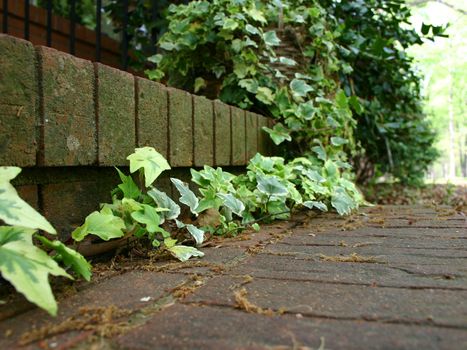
{"points": [[354, 258], [242, 303], [101, 321]]}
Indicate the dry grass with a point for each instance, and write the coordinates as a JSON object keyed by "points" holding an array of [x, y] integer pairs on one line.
{"points": [[352, 258], [243, 303]]}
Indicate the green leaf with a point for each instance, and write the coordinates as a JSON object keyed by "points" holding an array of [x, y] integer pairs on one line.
{"points": [[287, 61], [129, 188], [314, 204], [232, 203], [187, 196], [278, 133], [14, 210], [270, 38], [149, 217], [230, 24], [255, 227], [102, 224], [252, 30], [256, 15], [200, 83], [183, 253], [300, 87], [164, 201], [306, 110], [338, 141], [69, 257], [27, 267], [152, 162], [271, 186]]}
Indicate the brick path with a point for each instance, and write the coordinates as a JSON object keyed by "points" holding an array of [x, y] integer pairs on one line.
{"points": [[388, 278]]}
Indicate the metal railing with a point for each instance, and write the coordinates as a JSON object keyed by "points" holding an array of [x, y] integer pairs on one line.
{"points": [[72, 18]]}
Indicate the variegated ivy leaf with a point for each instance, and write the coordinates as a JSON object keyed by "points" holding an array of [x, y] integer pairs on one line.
{"points": [[338, 141], [27, 267], [287, 61], [300, 87], [195, 232], [187, 196], [278, 133], [265, 95], [151, 161], [271, 39], [232, 203], [14, 210], [314, 204], [183, 253], [271, 186], [164, 201], [342, 202]]}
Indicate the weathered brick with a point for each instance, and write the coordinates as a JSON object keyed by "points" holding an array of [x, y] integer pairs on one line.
{"points": [[251, 134], [238, 136], [18, 102], [180, 128], [264, 146], [222, 134], [116, 115], [29, 194], [204, 131], [67, 204], [69, 114], [152, 118]]}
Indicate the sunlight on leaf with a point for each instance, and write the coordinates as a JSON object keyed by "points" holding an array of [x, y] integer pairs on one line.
{"points": [[151, 161]]}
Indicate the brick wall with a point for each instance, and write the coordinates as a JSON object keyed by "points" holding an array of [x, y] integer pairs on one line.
{"points": [[85, 38], [67, 121]]}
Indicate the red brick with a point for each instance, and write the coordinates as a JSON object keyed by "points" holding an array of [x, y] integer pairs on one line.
{"points": [[69, 113], [180, 128], [18, 102], [238, 136], [222, 134], [204, 131]]}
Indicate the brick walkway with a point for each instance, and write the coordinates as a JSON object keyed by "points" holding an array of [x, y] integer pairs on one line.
{"points": [[388, 278]]}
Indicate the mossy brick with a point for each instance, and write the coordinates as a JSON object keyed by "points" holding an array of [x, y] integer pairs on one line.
{"points": [[18, 102], [222, 134], [115, 115], [251, 139], [203, 114], [180, 128], [152, 115], [264, 146], [238, 136], [68, 109], [29, 193]]}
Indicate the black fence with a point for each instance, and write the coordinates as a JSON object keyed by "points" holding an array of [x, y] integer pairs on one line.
{"points": [[126, 7]]}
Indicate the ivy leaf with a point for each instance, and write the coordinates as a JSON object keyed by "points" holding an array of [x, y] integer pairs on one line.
{"points": [[256, 15], [265, 95], [230, 24], [342, 202], [27, 267], [183, 253], [338, 141], [270, 38], [252, 30], [164, 201], [102, 224], [14, 210], [129, 188], [200, 83], [232, 203], [271, 186], [320, 152], [196, 232], [69, 257], [278, 133], [187, 196], [149, 217], [306, 110], [314, 204], [300, 87], [287, 61], [152, 162]]}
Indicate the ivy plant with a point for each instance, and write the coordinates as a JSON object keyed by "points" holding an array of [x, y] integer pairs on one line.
{"points": [[24, 264]]}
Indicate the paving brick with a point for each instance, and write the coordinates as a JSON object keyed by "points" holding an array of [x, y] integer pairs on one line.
{"points": [[264, 142], [69, 113], [180, 128], [152, 115], [116, 115], [251, 139], [204, 131], [18, 102], [238, 136], [222, 131]]}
